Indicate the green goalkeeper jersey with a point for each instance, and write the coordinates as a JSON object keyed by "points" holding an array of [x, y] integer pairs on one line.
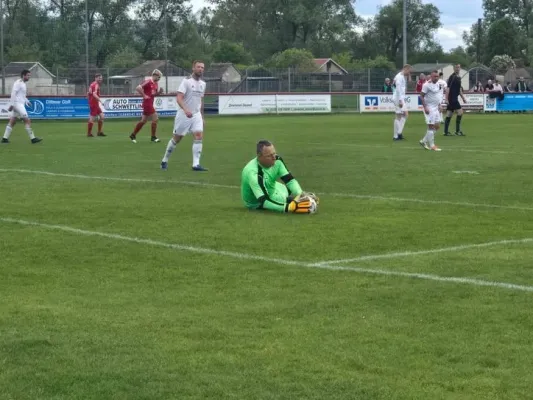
{"points": [[260, 187]]}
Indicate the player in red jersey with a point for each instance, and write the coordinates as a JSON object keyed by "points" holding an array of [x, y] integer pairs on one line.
{"points": [[148, 90], [94, 106]]}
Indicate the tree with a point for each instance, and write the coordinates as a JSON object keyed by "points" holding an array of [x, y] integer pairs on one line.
{"points": [[267, 27], [518, 12], [385, 30], [475, 39], [379, 62], [294, 58], [503, 36], [125, 58], [500, 64], [231, 52]]}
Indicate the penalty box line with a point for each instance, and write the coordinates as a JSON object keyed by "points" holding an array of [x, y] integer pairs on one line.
{"points": [[215, 185], [279, 261]]}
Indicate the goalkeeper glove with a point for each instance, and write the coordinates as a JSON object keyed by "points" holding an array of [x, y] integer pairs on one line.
{"points": [[301, 205]]}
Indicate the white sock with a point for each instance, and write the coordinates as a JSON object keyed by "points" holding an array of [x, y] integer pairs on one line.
{"points": [[7, 132], [402, 124], [431, 137], [30, 132], [396, 127], [170, 148], [426, 137], [196, 152]]}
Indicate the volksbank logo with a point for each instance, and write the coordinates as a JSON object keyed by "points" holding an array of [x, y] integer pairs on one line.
{"points": [[371, 102]]}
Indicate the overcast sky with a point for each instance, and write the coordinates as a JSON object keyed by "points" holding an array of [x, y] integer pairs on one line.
{"points": [[456, 16]]}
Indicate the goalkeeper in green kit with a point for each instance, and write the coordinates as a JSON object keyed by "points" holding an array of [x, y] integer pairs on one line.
{"points": [[260, 188]]}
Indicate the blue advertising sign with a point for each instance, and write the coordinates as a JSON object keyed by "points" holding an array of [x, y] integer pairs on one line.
{"points": [[78, 107], [515, 102], [57, 107]]}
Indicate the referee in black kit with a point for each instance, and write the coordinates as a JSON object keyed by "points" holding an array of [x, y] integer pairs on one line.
{"points": [[455, 89]]}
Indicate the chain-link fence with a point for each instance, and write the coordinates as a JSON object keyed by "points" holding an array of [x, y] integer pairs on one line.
{"points": [[119, 82]]}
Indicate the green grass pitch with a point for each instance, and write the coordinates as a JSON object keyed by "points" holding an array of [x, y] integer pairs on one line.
{"points": [[120, 281]]}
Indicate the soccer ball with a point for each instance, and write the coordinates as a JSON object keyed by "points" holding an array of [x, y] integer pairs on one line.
{"points": [[314, 207]]}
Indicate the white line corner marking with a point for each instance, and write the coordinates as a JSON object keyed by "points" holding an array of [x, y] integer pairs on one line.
{"points": [[244, 256], [423, 252], [215, 185]]}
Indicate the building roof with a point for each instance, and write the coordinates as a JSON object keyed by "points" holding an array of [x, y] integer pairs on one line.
{"points": [[429, 67], [320, 62], [146, 68], [217, 70], [14, 68]]}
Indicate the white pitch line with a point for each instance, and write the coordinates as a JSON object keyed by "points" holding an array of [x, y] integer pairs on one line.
{"points": [[423, 252], [382, 146], [407, 200], [215, 185], [117, 179], [279, 261]]}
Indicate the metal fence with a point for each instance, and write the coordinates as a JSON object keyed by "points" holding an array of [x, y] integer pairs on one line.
{"points": [[72, 82]]}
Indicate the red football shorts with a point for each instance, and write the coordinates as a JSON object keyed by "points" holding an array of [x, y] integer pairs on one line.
{"points": [[148, 110], [95, 110]]}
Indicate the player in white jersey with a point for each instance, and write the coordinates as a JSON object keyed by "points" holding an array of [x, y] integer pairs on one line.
{"points": [[399, 96], [443, 106], [17, 107], [432, 95], [190, 116]]}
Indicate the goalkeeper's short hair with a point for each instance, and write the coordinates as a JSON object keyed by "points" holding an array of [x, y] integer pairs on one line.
{"points": [[262, 144]]}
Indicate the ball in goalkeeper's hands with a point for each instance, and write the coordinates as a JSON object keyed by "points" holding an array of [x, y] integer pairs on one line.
{"points": [[314, 207]]}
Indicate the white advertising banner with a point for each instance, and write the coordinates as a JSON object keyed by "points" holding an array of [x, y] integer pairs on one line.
{"points": [[274, 104], [132, 106], [382, 102], [247, 104]]}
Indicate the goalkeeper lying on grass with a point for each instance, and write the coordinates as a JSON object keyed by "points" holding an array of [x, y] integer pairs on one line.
{"points": [[260, 188]]}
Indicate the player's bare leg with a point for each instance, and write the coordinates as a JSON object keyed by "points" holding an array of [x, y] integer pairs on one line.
{"points": [[197, 146], [171, 146], [101, 125], [138, 127], [155, 119]]}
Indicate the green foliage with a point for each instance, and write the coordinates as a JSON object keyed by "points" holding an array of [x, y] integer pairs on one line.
{"points": [[476, 44], [379, 62], [383, 35], [22, 52], [503, 37], [295, 58], [125, 58], [229, 52], [500, 64]]}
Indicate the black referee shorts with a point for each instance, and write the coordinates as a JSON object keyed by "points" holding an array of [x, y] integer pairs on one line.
{"points": [[453, 105]]}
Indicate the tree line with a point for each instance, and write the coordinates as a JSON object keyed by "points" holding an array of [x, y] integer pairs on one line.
{"points": [[275, 33]]}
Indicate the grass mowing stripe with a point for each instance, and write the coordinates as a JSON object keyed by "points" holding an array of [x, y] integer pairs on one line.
{"points": [[215, 185], [201, 250]]}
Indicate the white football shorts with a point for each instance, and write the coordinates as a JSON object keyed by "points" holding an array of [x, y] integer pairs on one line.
{"points": [[397, 108], [434, 117], [19, 110], [184, 125]]}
